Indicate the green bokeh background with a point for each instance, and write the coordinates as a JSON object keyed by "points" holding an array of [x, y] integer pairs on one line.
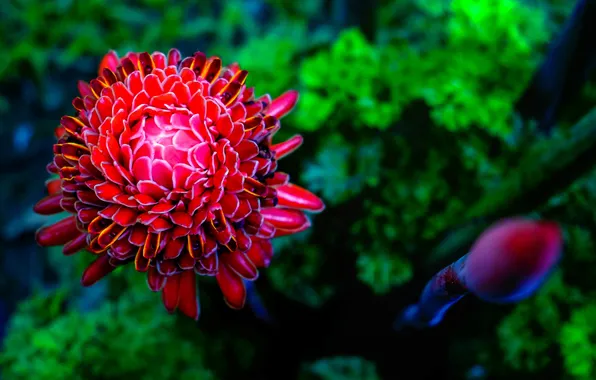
{"points": [[407, 110]]}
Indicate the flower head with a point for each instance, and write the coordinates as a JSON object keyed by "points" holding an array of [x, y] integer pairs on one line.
{"points": [[169, 164]]}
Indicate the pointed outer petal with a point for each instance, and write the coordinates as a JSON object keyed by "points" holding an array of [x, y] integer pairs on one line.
{"points": [[109, 61], [152, 245], [75, 245], [170, 294], [282, 105], [232, 287], [287, 147], [141, 263], [260, 253], [49, 205], [58, 233], [173, 249], [152, 189], [240, 263], [155, 280], [173, 57], [294, 196], [161, 172], [97, 270], [286, 219], [247, 149], [189, 302], [511, 259]]}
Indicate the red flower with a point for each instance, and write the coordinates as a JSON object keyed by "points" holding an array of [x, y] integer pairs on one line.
{"points": [[168, 163]]}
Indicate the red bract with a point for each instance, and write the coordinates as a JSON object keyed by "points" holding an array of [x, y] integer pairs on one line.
{"points": [[169, 164], [512, 258]]}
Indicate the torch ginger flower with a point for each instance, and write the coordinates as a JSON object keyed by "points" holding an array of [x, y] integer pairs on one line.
{"points": [[169, 164]]}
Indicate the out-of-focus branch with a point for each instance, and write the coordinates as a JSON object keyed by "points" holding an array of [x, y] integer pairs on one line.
{"points": [[543, 172], [570, 60]]}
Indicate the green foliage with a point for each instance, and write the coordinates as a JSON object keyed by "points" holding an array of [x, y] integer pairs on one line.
{"points": [[531, 330], [382, 271], [488, 58], [340, 368], [346, 82], [341, 171], [578, 343], [131, 337], [27, 42], [297, 270]]}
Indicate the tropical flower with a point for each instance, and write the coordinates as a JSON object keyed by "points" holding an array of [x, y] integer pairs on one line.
{"points": [[169, 164]]}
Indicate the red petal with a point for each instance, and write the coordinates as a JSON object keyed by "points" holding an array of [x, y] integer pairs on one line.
{"points": [[155, 280], [287, 147], [286, 219], [282, 105], [294, 196], [97, 270], [54, 186], [239, 262], [170, 294], [58, 233], [510, 260], [260, 253], [49, 205], [232, 287], [75, 245], [188, 303], [109, 61]]}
